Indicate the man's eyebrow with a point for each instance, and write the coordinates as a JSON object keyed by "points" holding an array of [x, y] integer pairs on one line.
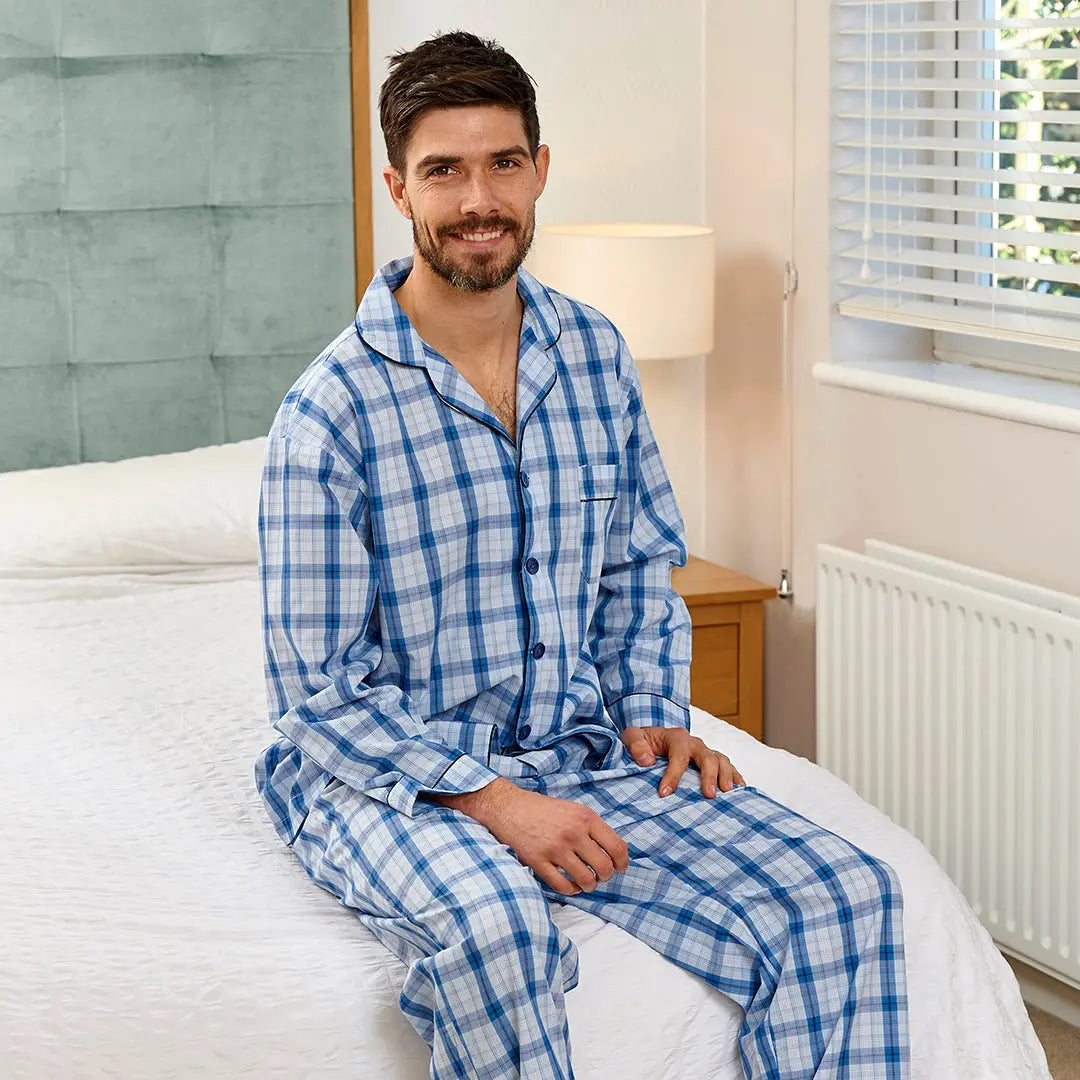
{"points": [[426, 163]]}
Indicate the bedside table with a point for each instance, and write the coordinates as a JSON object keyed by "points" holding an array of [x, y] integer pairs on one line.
{"points": [[727, 612]]}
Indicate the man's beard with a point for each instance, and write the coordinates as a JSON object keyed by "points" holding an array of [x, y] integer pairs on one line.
{"points": [[477, 272]]}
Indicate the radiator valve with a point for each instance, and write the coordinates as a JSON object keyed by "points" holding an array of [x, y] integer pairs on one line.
{"points": [[784, 590]]}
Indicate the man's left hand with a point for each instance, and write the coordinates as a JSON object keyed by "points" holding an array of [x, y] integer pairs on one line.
{"points": [[681, 748]]}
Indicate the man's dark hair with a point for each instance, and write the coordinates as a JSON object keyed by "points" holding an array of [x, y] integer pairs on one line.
{"points": [[450, 70]]}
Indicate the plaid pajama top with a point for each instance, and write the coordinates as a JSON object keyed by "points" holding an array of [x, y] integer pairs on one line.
{"points": [[445, 602]]}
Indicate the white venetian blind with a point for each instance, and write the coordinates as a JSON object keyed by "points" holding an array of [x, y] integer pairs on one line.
{"points": [[957, 165]]}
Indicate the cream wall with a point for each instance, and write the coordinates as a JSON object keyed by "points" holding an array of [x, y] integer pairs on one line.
{"points": [[620, 100], [748, 200], [994, 493]]}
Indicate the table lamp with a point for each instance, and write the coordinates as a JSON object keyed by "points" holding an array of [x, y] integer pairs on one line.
{"points": [[654, 282]]}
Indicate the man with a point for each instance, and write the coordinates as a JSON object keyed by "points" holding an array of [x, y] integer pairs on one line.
{"points": [[478, 668]]}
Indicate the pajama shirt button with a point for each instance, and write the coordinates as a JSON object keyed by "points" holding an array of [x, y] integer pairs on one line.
{"points": [[538, 650], [526, 731], [524, 479], [532, 565]]}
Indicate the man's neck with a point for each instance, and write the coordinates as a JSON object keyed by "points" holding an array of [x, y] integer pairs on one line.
{"points": [[462, 326]]}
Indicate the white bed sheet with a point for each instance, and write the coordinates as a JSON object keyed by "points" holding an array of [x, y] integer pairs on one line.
{"points": [[87, 583], [154, 927]]}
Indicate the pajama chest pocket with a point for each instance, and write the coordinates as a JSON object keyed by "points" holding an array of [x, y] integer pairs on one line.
{"points": [[597, 502]]}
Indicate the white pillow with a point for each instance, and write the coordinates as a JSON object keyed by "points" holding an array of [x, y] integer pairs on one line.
{"points": [[158, 513]]}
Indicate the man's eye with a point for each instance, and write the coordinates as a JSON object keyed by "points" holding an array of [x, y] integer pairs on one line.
{"points": [[436, 170], [507, 161]]}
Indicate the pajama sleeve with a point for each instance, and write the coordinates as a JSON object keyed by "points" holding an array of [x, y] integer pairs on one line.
{"points": [[640, 630], [322, 640]]}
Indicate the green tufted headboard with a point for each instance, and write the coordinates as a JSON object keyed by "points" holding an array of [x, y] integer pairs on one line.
{"points": [[176, 219]]}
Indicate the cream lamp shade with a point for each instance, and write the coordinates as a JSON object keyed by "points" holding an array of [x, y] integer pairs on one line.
{"points": [[654, 282]]}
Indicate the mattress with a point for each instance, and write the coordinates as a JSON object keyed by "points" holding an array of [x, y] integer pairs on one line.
{"points": [[155, 927]]}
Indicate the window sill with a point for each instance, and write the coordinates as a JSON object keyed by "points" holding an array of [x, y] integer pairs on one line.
{"points": [[1007, 396]]}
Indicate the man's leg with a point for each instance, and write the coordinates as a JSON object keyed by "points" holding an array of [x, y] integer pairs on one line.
{"points": [[800, 927], [487, 967]]}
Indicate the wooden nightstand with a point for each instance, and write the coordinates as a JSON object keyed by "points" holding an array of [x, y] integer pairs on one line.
{"points": [[727, 613]]}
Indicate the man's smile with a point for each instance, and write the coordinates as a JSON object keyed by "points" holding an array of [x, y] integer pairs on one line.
{"points": [[480, 241]]}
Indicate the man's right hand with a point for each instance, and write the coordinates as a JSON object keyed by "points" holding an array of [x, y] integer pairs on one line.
{"points": [[547, 834]]}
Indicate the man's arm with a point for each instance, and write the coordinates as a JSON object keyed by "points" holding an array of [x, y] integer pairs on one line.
{"points": [[319, 590], [640, 629]]}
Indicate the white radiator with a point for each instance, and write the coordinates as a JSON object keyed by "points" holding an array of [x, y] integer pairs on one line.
{"points": [[950, 699]]}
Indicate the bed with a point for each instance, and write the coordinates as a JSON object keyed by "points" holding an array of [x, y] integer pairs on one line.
{"points": [[154, 926]]}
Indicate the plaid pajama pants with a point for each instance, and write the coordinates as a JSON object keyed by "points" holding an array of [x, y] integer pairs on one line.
{"points": [[798, 926]]}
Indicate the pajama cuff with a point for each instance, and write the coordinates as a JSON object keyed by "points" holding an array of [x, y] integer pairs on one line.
{"points": [[648, 710], [462, 775]]}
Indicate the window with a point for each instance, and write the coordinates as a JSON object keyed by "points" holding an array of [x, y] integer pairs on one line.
{"points": [[957, 175]]}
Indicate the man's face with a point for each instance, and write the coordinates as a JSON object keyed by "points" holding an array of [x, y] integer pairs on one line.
{"points": [[470, 189]]}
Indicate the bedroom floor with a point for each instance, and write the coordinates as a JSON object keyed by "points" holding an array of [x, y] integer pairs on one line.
{"points": [[1061, 1043]]}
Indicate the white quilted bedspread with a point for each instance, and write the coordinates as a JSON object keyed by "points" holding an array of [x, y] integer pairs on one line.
{"points": [[152, 926]]}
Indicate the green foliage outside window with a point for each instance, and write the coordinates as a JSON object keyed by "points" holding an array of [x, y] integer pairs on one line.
{"points": [[1060, 179]]}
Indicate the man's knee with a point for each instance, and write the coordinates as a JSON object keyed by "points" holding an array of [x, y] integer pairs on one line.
{"points": [[856, 883], [510, 934], [871, 881], [506, 911]]}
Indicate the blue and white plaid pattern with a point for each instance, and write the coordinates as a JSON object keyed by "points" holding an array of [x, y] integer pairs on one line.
{"points": [[438, 591], [798, 926], [446, 602]]}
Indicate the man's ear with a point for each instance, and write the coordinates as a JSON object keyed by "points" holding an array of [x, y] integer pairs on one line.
{"points": [[397, 191], [543, 163]]}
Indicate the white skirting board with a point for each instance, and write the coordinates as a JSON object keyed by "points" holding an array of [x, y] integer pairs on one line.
{"points": [[1047, 992]]}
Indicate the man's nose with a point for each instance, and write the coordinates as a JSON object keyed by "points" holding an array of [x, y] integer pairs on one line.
{"points": [[479, 196]]}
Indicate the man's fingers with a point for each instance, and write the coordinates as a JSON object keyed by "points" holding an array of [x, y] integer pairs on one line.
{"points": [[709, 767], [592, 854], [612, 843], [639, 748], [549, 872], [580, 872], [716, 769], [727, 773], [677, 763]]}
